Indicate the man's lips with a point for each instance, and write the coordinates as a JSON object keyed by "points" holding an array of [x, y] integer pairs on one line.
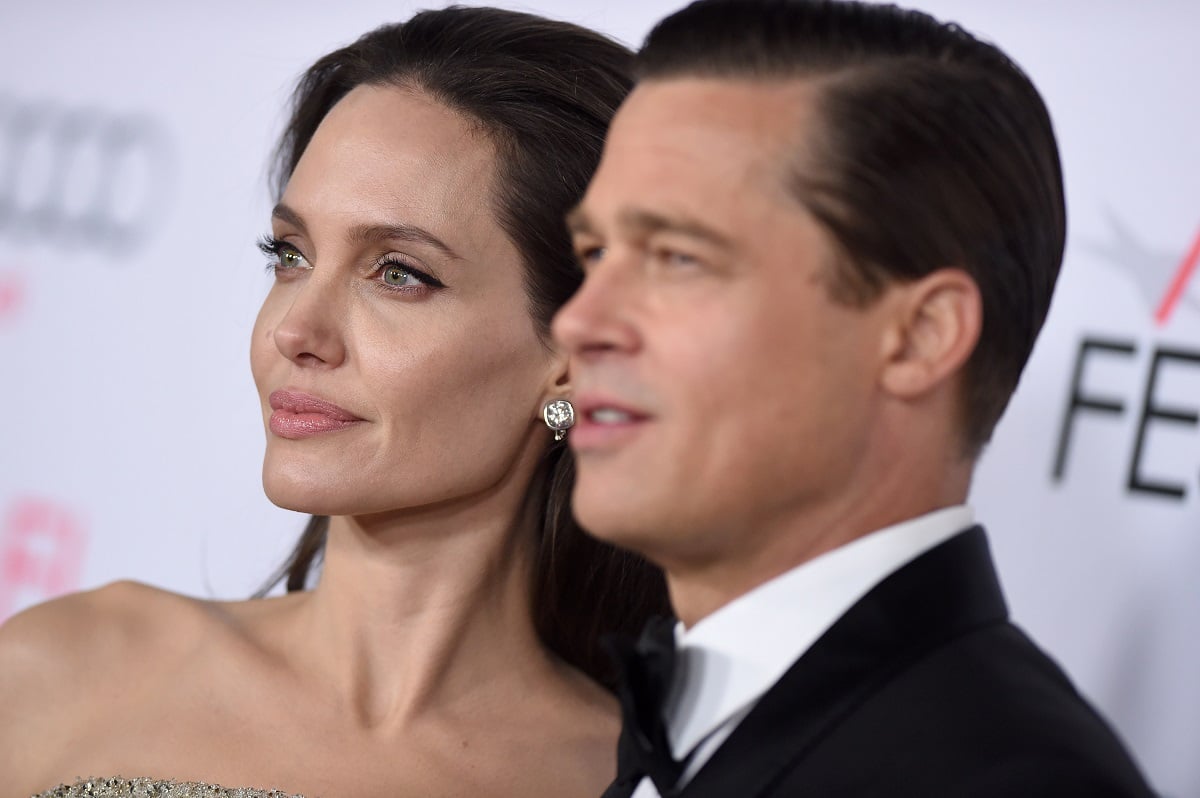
{"points": [[601, 409], [604, 422], [300, 415]]}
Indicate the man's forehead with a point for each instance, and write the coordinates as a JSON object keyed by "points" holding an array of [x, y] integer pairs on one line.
{"points": [[755, 127], [685, 140], [763, 107]]}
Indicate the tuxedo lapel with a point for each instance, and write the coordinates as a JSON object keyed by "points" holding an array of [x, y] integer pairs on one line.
{"points": [[946, 592]]}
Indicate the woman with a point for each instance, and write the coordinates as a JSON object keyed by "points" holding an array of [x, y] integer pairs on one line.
{"points": [[403, 364]]}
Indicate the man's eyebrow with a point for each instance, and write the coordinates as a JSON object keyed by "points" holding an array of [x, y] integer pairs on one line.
{"points": [[646, 222], [371, 233], [578, 221]]}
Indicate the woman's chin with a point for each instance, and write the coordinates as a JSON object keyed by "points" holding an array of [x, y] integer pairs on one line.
{"points": [[303, 496]]}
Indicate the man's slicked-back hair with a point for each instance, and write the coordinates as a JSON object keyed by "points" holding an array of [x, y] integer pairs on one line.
{"points": [[932, 149]]}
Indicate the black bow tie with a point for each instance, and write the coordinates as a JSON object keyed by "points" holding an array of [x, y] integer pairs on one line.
{"points": [[646, 670]]}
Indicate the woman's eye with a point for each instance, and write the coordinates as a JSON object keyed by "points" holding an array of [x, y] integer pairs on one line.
{"points": [[281, 256], [401, 276], [290, 258]]}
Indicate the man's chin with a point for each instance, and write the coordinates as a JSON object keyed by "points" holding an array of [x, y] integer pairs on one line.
{"points": [[620, 524]]}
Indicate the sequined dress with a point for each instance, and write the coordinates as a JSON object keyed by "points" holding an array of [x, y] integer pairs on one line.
{"points": [[154, 788]]}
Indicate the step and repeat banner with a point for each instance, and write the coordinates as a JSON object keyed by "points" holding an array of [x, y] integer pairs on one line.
{"points": [[134, 141]]}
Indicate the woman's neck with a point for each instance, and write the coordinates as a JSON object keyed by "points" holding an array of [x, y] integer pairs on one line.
{"points": [[420, 608]]}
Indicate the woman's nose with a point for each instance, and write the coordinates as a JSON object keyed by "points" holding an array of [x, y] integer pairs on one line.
{"points": [[310, 333]]}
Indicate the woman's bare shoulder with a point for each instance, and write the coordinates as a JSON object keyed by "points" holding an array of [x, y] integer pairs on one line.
{"points": [[90, 630], [76, 648], [65, 662]]}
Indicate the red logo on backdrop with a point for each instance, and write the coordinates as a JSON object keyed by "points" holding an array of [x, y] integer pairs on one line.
{"points": [[1178, 285], [12, 294], [1165, 281], [41, 553], [1164, 277]]}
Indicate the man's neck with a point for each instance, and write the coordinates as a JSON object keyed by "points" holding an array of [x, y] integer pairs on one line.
{"points": [[702, 586]]}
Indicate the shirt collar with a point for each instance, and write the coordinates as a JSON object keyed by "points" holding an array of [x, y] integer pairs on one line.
{"points": [[731, 657]]}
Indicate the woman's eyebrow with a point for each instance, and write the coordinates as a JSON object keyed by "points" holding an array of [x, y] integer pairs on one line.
{"points": [[286, 214], [370, 233]]}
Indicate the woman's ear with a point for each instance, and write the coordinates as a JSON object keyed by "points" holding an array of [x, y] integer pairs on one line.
{"points": [[558, 381], [932, 333]]}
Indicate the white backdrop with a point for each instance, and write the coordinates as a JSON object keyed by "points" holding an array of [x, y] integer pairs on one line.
{"points": [[130, 439]]}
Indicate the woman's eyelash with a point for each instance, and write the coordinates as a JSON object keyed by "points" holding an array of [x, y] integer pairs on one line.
{"points": [[269, 245], [274, 248]]}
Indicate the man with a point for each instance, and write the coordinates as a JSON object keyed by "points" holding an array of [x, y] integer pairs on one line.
{"points": [[819, 247]]}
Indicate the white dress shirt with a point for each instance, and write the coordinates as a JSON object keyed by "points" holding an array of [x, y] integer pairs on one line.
{"points": [[729, 659]]}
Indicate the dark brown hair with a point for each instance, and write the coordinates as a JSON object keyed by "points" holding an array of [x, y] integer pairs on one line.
{"points": [[933, 150], [544, 91]]}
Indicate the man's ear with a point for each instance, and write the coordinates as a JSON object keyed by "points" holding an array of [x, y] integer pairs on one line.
{"points": [[932, 332]]}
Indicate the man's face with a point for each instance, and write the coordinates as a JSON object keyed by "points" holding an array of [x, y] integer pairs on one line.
{"points": [[723, 397]]}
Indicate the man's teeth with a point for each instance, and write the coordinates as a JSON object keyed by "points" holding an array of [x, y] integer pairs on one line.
{"points": [[607, 415]]}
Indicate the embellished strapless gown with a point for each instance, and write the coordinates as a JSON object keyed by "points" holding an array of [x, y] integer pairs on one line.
{"points": [[154, 788]]}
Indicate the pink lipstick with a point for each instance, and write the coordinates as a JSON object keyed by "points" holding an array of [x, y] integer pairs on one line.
{"points": [[298, 415]]}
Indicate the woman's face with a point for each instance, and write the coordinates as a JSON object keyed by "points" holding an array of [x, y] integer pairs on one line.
{"points": [[395, 357]]}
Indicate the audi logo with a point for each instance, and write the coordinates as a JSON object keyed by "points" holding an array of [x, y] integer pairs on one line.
{"points": [[81, 176]]}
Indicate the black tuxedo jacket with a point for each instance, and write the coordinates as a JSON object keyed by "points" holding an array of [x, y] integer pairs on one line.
{"points": [[924, 689]]}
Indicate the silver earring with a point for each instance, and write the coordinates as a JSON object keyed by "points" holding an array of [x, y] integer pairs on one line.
{"points": [[559, 416]]}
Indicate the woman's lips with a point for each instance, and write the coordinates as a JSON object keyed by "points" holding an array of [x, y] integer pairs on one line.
{"points": [[298, 415]]}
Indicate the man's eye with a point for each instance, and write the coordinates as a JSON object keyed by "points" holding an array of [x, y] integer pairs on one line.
{"points": [[590, 255], [673, 257]]}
